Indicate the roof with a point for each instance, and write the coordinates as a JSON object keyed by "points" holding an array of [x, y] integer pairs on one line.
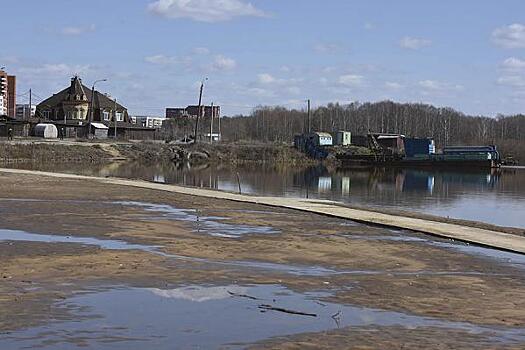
{"points": [[323, 134], [147, 116], [100, 101], [99, 126], [382, 137], [76, 91]]}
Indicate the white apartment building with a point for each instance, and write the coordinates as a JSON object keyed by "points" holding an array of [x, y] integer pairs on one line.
{"points": [[22, 111], [147, 121]]}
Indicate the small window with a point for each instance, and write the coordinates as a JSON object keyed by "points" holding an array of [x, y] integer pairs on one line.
{"points": [[105, 115], [119, 117]]}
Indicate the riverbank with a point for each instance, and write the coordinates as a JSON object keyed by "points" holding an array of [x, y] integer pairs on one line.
{"points": [[150, 152], [115, 243]]}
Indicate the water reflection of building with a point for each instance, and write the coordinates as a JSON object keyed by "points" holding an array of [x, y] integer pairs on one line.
{"points": [[324, 184], [416, 181], [345, 186]]}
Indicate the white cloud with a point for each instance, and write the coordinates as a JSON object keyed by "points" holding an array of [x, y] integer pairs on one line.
{"points": [[9, 59], [189, 62], [393, 85], [328, 48], [430, 84], [438, 86], [414, 43], [510, 37], [58, 69], [204, 10], [74, 31], [513, 63], [351, 80], [294, 90], [514, 81], [224, 63], [265, 78], [369, 26], [201, 51], [257, 92], [161, 59], [285, 69]]}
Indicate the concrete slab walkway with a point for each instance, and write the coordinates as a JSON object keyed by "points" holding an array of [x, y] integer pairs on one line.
{"points": [[479, 236]]}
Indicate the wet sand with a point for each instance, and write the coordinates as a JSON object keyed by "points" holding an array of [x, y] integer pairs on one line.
{"points": [[183, 241]]}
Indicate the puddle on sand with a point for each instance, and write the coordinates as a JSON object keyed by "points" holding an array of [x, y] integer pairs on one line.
{"points": [[210, 317], [14, 235], [214, 228], [298, 270], [21, 236], [203, 224], [509, 258], [394, 238], [206, 224]]}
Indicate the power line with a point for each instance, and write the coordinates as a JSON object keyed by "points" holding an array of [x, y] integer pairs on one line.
{"points": [[24, 94]]}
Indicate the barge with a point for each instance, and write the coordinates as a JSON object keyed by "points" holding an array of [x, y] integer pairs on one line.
{"points": [[397, 150]]}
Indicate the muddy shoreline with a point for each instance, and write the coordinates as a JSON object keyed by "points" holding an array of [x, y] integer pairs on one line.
{"points": [[278, 254]]}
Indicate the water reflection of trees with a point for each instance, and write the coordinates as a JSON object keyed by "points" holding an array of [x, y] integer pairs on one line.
{"points": [[377, 186]]}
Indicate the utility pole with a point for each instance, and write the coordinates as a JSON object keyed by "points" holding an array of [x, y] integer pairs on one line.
{"points": [[29, 117], [211, 124], [115, 118], [91, 110], [198, 112], [91, 106], [219, 126], [309, 120]]}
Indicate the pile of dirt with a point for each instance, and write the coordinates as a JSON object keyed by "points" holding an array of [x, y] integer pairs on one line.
{"points": [[235, 153]]}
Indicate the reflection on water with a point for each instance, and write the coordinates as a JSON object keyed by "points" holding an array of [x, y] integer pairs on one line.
{"points": [[212, 317], [493, 196], [207, 224]]}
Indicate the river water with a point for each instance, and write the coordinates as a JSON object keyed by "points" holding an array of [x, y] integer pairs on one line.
{"points": [[491, 196]]}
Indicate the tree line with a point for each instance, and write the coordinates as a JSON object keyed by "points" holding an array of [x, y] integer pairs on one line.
{"points": [[446, 125]]}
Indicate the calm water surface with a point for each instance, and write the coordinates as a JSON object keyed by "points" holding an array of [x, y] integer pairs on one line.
{"points": [[492, 196]]}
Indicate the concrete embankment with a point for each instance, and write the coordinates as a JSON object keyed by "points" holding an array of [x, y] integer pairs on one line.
{"points": [[490, 238]]}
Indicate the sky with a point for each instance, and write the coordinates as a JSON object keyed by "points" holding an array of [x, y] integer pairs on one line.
{"points": [[468, 54]]}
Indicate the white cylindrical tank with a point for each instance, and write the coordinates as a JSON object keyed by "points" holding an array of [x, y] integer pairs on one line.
{"points": [[47, 131]]}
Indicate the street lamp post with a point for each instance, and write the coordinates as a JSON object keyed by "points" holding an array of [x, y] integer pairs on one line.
{"points": [[91, 114]]}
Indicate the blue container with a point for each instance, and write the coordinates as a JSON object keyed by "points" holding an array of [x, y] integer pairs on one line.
{"points": [[415, 147]]}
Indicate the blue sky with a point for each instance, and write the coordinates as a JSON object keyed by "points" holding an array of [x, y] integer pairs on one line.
{"points": [[469, 55]]}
